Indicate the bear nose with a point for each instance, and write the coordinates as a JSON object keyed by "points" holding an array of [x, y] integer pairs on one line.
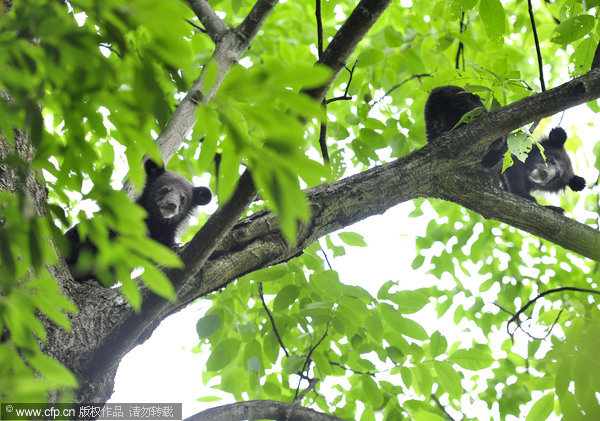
{"points": [[170, 206]]}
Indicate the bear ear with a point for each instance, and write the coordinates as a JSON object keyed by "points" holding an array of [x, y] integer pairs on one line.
{"points": [[153, 170], [556, 138], [202, 196], [577, 183]]}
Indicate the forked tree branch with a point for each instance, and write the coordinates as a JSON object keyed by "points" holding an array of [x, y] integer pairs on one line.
{"points": [[214, 26]]}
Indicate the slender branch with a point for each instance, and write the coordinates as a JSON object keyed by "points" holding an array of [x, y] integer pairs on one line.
{"points": [[515, 318], [310, 352], [326, 258], [323, 129], [344, 96], [362, 373], [261, 410], [199, 249], [439, 404], [198, 27], [256, 18], [396, 86], [554, 323], [262, 298], [319, 29], [323, 141], [312, 383], [461, 47], [214, 26], [537, 46]]}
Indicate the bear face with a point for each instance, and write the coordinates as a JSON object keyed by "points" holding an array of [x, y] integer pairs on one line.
{"points": [[535, 174], [169, 200]]}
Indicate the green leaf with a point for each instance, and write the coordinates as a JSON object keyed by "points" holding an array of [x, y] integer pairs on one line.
{"points": [[493, 18], [426, 416], [209, 399], [410, 301], [542, 409], [476, 358], [52, 370], [352, 239], [519, 145], [401, 324], [438, 344], [572, 29], [286, 297], [223, 354], [372, 392], [208, 325], [449, 378], [271, 274], [158, 282], [293, 364], [369, 57]]}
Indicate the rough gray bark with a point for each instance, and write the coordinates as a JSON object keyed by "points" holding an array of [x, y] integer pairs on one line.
{"points": [[261, 410]]}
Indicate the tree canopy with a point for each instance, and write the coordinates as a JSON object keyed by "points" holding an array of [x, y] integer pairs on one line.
{"points": [[303, 118]]}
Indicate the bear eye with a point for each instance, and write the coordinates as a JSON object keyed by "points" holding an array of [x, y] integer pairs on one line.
{"points": [[182, 199], [164, 190]]}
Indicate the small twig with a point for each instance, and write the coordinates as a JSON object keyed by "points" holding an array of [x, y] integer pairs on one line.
{"points": [[461, 47], [323, 129], [312, 349], [198, 27], [311, 385], [537, 46], [326, 258], [393, 88], [319, 30], [262, 298], [515, 318], [323, 142], [553, 324], [503, 309], [110, 48], [363, 373], [345, 96], [439, 404]]}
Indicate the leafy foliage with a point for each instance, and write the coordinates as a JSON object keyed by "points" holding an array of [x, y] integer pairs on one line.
{"points": [[92, 83]]}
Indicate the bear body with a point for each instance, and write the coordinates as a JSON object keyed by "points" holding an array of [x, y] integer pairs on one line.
{"points": [[168, 198], [445, 107]]}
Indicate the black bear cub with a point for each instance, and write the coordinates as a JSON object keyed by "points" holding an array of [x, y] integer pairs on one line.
{"points": [[445, 107], [168, 198]]}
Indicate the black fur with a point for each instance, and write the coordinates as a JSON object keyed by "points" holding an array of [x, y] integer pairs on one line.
{"points": [[443, 110], [536, 175], [168, 198], [445, 107]]}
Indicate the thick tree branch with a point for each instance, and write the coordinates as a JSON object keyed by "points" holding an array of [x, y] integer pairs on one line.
{"points": [[229, 46], [214, 26], [261, 410], [335, 56], [256, 18]]}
